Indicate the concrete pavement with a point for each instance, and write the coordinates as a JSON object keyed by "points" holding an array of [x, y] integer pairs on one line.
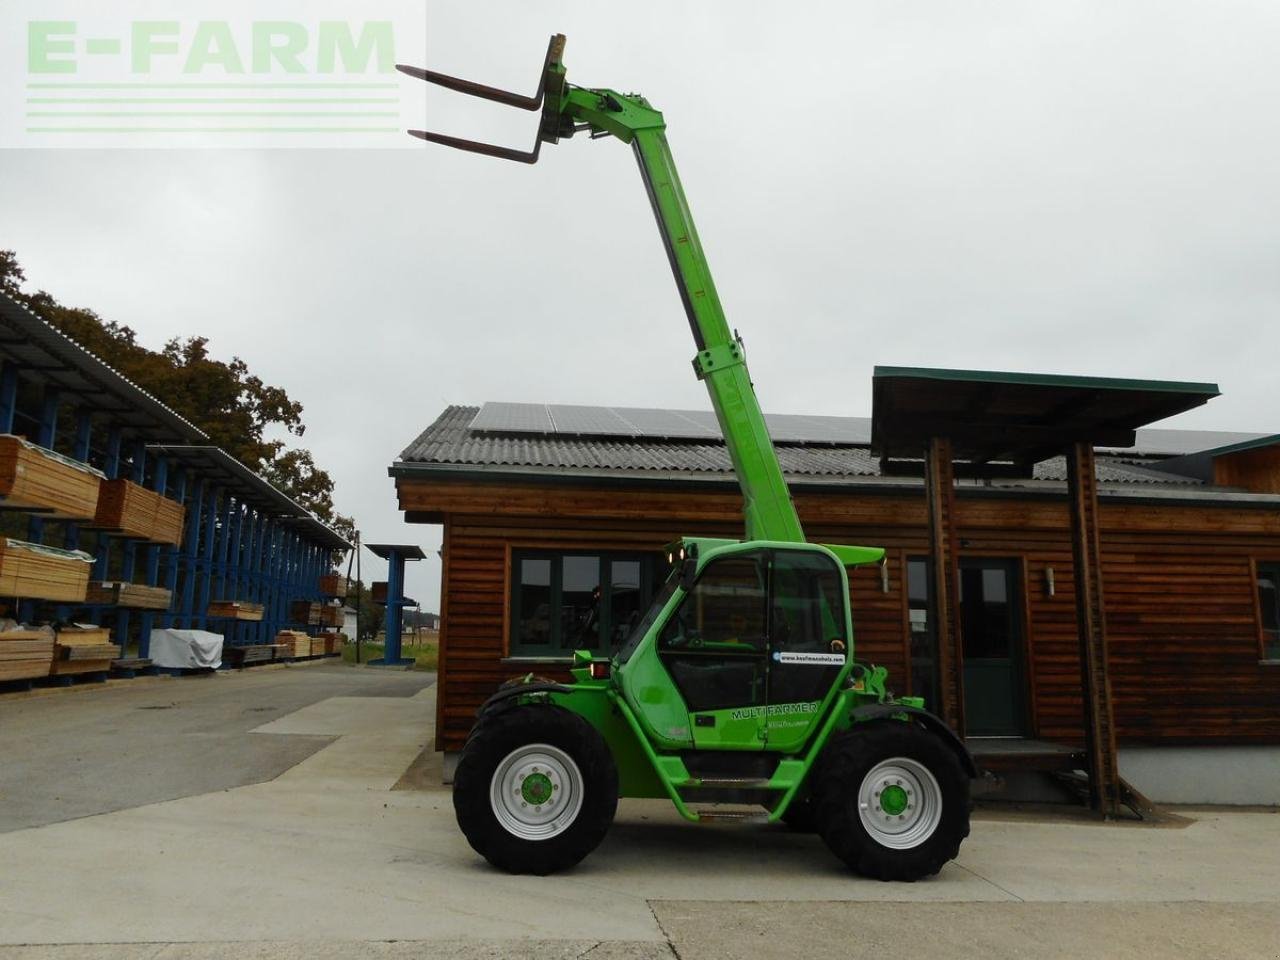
{"points": [[327, 858], [94, 749]]}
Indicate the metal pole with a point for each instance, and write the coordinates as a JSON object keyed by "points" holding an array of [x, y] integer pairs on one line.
{"points": [[359, 595], [206, 557], [160, 483], [189, 550], [171, 555], [127, 565], [8, 395]]}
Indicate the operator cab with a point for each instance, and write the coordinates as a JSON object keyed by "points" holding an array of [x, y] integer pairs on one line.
{"points": [[742, 648]]}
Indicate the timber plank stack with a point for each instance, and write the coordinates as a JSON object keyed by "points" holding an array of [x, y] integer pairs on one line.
{"points": [[83, 649], [295, 643], [315, 614], [132, 510], [333, 642], [333, 585], [36, 572], [318, 647], [236, 610], [26, 654], [129, 666], [137, 596], [47, 482], [249, 655]]}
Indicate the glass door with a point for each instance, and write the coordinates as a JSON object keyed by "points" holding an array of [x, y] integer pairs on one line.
{"points": [[990, 600]]}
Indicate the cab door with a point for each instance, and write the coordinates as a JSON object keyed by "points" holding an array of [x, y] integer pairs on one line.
{"points": [[809, 642], [714, 647]]}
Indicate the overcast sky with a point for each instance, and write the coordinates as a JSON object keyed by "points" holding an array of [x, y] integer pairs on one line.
{"points": [[1081, 188]]}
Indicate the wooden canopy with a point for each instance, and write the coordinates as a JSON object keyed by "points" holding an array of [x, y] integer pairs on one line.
{"points": [[1001, 424]]}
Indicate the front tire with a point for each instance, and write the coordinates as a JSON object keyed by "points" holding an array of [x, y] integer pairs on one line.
{"points": [[535, 790], [891, 800]]}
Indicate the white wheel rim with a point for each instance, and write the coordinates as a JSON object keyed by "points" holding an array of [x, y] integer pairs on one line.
{"points": [[536, 792], [900, 803]]}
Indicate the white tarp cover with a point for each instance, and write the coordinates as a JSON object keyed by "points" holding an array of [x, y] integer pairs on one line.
{"points": [[179, 649]]}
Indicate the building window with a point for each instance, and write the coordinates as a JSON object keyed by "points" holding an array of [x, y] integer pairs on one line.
{"points": [[561, 602], [1269, 607], [920, 619]]}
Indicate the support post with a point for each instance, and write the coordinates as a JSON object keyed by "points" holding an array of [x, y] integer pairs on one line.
{"points": [[231, 574], [8, 395], [111, 468], [1086, 552], [45, 433], [190, 550], [71, 532], [171, 560], [128, 563], [206, 557], [394, 617], [159, 483], [944, 573]]}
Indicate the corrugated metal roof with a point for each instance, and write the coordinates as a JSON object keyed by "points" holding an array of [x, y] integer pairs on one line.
{"points": [[450, 442], [535, 420], [248, 487], [50, 355]]}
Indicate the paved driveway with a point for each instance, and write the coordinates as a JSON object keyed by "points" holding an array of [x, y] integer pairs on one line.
{"points": [[327, 858]]}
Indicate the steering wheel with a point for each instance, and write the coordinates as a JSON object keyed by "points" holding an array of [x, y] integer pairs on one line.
{"points": [[686, 637]]}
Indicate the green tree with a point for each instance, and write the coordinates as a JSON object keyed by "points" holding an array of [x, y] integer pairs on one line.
{"points": [[233, 406]]}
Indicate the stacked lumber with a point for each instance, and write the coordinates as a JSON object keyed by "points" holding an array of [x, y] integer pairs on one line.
{"points": [[295, 643], [315, 614], [333, 585], [83, 648], [246, 656], [138, 596], [236, 610], [25, 653], [36, 572], [134, 511], [318, 647], [333, 642], [39, 479], [130, 665]]}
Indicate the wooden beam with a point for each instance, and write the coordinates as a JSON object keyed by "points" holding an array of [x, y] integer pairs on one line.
{"points": [[1099, 722], [995, 433], [944, 574]]}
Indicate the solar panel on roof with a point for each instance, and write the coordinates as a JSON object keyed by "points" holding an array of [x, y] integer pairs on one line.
{"points": [[582, 420], [592, 421], [513, 418], [648, 422]]}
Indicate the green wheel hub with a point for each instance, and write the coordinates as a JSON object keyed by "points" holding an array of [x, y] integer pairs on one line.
{"points": [[893, 800], [536, 788]]}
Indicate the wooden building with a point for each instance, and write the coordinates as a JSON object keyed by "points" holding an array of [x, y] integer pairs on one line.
{"points": [[553, 519]]}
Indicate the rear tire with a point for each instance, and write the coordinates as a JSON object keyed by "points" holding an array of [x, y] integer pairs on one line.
{"points": [[891, 800], [535, 790]]}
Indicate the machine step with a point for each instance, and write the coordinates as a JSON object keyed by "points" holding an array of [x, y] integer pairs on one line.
{"points": [[732, 816], [740, 782]]}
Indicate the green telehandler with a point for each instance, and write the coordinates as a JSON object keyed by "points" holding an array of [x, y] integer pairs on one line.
{"points": [[737, 695]]}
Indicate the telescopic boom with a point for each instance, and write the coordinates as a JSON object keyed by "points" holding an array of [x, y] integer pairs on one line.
{"points": [[720, 361]]}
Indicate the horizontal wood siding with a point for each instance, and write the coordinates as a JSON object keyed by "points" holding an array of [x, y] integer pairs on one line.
{"points": [[1178, 588]]}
